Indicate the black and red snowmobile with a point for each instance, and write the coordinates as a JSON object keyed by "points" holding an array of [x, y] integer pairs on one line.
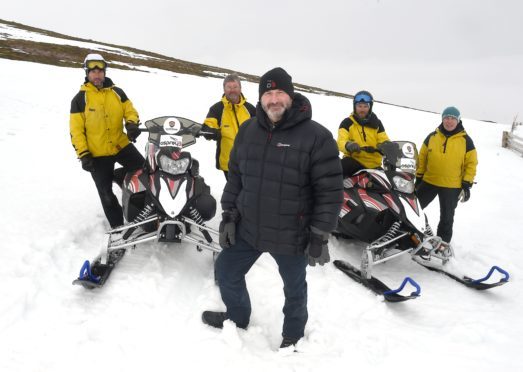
{"points": [[165, 201], [380, 209]]}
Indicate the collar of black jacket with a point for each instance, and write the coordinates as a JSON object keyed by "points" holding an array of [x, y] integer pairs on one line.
{"points": [[370, 121], [299, 111], [446, 133]]}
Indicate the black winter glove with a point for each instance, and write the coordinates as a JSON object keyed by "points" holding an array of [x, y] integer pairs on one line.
{"points": [[132, 131], [228, 228], [211, 134], [318, 251], [464, 195], [352, 147], [87, 162], [388, 147], [390, 150]]}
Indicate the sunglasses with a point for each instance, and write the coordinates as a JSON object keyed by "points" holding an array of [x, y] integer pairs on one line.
{"points": [[362, 97], [91, 65]]}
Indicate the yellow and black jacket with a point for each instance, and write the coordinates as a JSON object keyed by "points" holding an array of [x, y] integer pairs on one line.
{"points": [[96, 119], [227, 118], [367, 132], [447, 158]]}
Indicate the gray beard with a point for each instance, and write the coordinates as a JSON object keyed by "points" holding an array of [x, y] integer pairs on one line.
{"points": [[275, 116]]}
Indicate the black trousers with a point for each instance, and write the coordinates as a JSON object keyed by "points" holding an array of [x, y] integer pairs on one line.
{"points": [[448, 201], [350, 166], [130, 159]]}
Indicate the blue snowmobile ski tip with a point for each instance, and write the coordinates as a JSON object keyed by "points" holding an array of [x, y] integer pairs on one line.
{"points": [[478, 284], [96, 274], [492, 269], [377, 286], [86, 273], [405, 281]]}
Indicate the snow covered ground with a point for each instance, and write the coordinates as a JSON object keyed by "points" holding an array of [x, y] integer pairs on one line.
{"points": [[147, 318]]}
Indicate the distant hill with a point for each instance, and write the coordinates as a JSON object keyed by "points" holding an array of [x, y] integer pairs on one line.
{"points": [[25, 43]]}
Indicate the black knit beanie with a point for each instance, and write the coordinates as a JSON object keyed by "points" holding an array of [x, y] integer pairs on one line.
{"points": [[277, 78]]}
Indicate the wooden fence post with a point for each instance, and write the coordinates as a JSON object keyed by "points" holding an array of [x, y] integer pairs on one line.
{"points": [[504, 139]]}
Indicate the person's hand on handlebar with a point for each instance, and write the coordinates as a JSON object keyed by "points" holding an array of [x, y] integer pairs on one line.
{"points": [[352, 147]]}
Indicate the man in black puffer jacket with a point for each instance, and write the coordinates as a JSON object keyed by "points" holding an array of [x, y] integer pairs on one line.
{"points": [[283, 196]]}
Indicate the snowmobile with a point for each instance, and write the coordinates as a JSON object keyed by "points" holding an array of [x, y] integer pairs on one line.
{"points": [[165, 201], [380, 209]]}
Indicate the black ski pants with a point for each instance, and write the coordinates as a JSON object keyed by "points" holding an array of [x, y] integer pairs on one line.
{"points": [[232, 265], [130, 159], [448, 201], [350, 166]]}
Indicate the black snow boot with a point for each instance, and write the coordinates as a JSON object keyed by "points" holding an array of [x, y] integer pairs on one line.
{"points": [[214, 318], [288, 341]]}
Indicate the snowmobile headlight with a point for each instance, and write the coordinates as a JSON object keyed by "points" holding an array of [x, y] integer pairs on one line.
{"points": [[403, 185], [172, 166]]}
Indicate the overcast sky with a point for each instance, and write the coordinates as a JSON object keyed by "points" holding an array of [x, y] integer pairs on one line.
{"points": [[426, 54]]}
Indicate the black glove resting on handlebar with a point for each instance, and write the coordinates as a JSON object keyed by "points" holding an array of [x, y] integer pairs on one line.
{"points": [[132, 131], [388, 147], [211, 134], [352, 147]]}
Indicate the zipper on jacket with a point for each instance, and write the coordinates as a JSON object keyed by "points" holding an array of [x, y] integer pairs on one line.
{"points": [[269, 138], [445, 144], [236, 117]]}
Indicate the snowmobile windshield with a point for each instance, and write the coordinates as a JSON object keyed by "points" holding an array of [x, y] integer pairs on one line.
{"points": [[407, 160], [172, 131]]}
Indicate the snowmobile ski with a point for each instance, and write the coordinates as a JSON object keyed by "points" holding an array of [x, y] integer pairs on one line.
{"points": [[96, 274], [377, 286], [478, 284]]}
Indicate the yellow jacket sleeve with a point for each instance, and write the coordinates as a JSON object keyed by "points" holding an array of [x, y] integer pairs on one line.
{"points": [[77, 124], [214, 116], [211, 123], [343, 137], [382, 137], [422, 161], [470, 164], [77, 130], [129, 112]]}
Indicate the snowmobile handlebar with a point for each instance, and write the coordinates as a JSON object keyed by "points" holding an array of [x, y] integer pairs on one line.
{"points": [[160, 130], [370, 149], [157, 130]]}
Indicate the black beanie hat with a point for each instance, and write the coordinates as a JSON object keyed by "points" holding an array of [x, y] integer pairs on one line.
{"points": [[277, 78]]}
